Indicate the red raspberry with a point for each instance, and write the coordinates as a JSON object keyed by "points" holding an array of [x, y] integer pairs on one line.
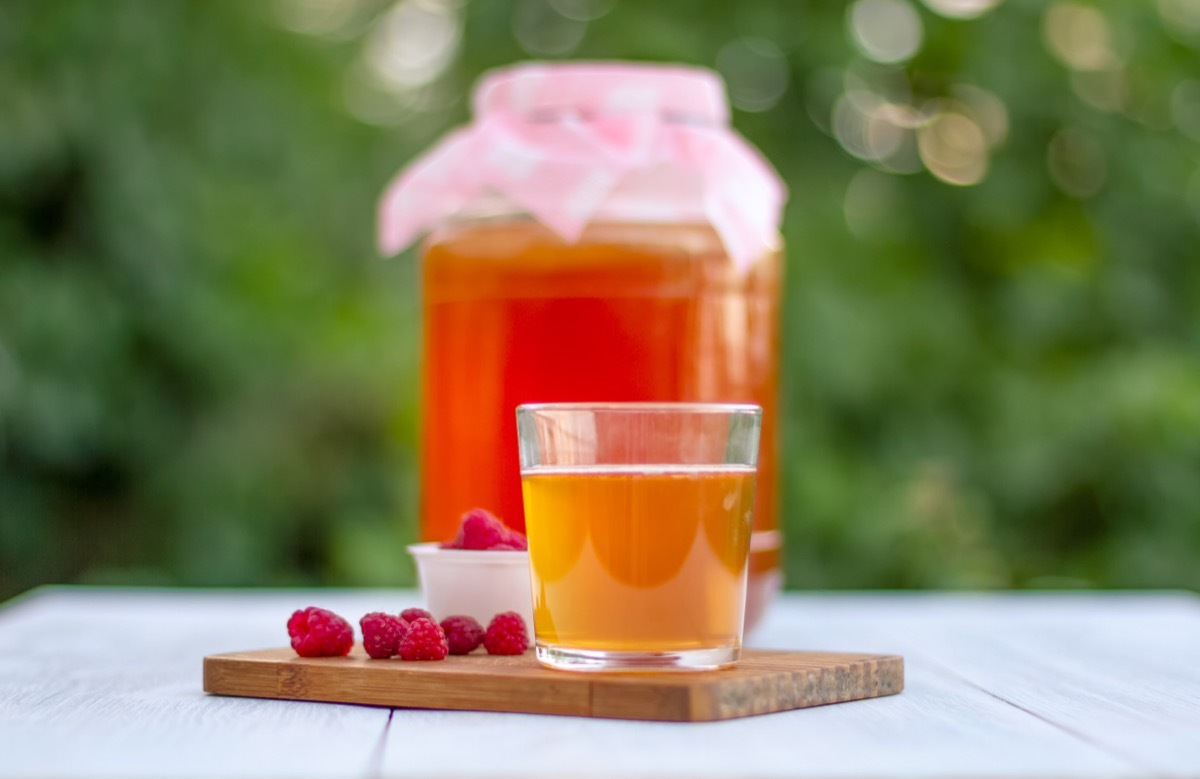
{"points": [[382, 633], [506, 635], [413, 614], [424, 641], [479, 529], [463, 634], [320, 633], [513, 541]]}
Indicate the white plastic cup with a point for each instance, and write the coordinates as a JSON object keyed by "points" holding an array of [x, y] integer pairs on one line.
{"points": [[479, 584]]}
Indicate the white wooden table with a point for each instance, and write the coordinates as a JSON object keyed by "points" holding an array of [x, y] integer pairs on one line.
{"points": [[104, 683]]}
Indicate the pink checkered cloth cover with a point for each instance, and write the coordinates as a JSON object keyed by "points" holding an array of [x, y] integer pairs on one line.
{"points": [[559, 139]]}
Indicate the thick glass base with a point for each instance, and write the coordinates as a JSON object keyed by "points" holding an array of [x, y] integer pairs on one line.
{"points": [[603, 660]]}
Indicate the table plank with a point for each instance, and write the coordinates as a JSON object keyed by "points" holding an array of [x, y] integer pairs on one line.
{"points": [[1114, 670], [108, 684], [938, 727]]}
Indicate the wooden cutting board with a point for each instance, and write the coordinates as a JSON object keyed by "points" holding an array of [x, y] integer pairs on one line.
{"points": [[763, 681]]}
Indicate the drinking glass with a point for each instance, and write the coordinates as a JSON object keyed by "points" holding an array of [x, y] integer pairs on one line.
{"points": [[639, 518]]}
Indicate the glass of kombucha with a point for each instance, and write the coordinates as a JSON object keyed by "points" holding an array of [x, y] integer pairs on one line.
{"points": [[639, 518]]}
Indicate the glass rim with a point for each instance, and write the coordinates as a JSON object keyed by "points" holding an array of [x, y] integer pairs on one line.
{"points": [[687, 407]]}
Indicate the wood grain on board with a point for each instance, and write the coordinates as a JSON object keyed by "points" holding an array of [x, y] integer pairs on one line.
{"points": [[764, 681]]}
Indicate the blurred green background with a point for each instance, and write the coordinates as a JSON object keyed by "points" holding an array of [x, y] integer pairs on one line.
{"points": [[992, 320]]}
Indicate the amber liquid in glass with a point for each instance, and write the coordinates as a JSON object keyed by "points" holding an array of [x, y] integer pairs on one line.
{"points": [[639, 558], [629, 312]]}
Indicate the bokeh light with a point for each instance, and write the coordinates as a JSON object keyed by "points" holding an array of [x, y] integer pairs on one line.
{"points": [[986, 109], [413, 43], [403, 56], [952, 137], [755, 72], [863, 123], [954, 148], [371, 102], [1182, 17], [961, 9], [886, 31], [1079, 36]]}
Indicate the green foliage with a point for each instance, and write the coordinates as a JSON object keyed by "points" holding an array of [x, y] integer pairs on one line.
{"points": [[208, 377]]}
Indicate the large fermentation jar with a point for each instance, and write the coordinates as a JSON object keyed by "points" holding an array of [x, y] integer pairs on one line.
{"points": [[599, 233]]}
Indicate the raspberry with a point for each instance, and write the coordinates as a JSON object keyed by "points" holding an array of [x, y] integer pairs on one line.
{"points": [[320, 633], [463, 634], [382, 633], [506, 635], [512, 541], [424, 641], [410, 615], [481, 530]]}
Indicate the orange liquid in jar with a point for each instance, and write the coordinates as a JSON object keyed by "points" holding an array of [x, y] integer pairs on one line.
{"points": [[639, 558], [629, 312]]}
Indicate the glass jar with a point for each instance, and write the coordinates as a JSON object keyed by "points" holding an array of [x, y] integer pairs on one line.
{"points": [[640, 299]]}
